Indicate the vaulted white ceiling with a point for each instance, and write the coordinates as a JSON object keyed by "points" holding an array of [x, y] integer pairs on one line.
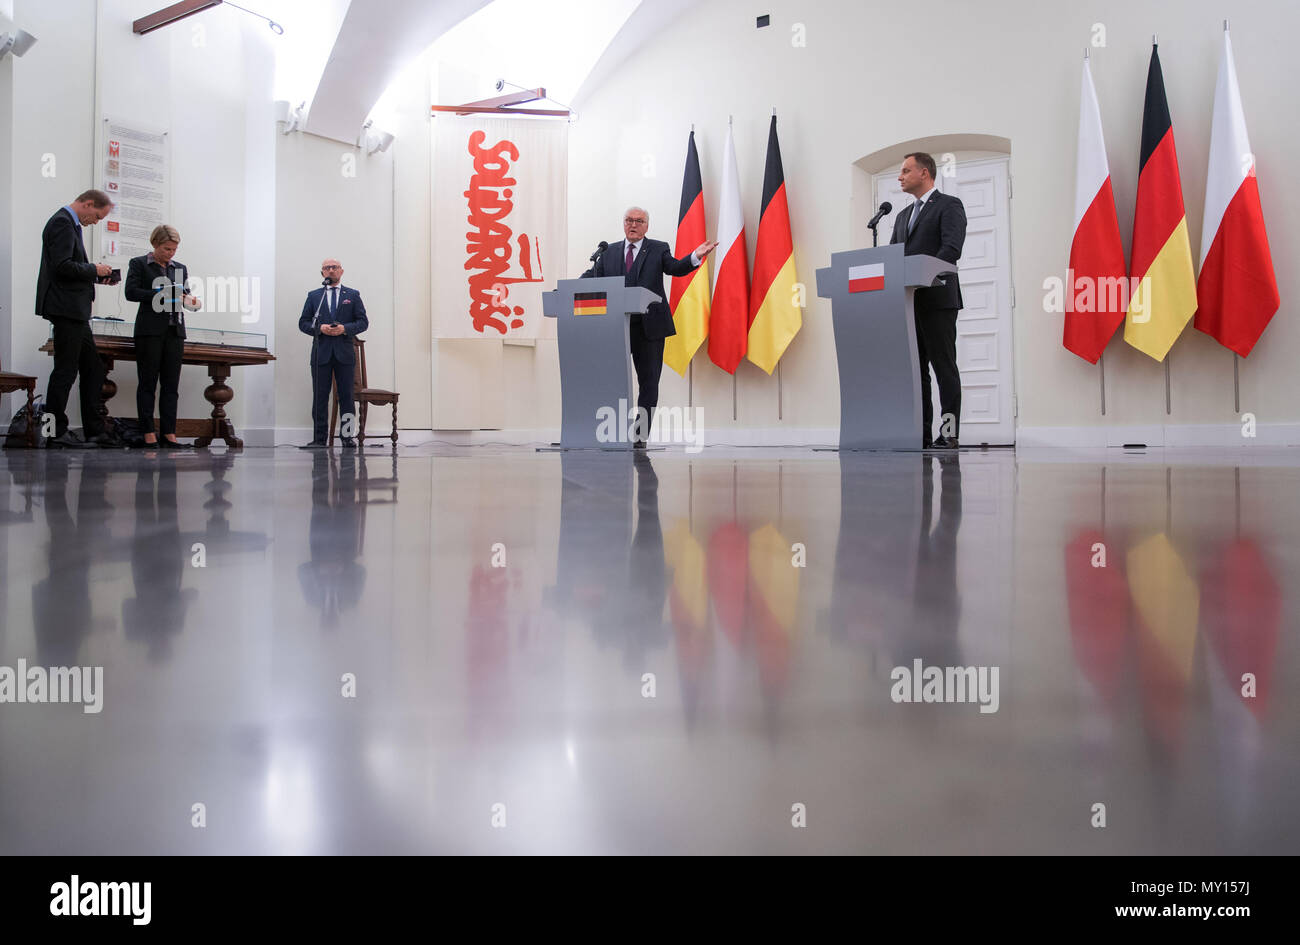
{"points": [[339, 56]]}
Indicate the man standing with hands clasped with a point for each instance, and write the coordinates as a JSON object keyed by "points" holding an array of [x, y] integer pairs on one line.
{"points": [[935, 225], [644, 262], [332, 315]]}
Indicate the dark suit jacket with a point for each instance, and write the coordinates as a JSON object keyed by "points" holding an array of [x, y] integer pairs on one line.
{"points": [[140, 276], [648, 270], [940, 231], [351, 315], [65, 285]]}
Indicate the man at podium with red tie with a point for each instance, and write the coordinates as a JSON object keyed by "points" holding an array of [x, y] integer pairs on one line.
{"points": [[934, 225], [644, 262]]}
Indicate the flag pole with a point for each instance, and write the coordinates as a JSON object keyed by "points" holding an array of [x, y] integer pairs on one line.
{"points": [[1101, 363], [1103, 501], [779, 413], [690, 383], [1236, 494], [1236, 384], [1167, 410], [733, 373], [1169, 501], [779, 407]]}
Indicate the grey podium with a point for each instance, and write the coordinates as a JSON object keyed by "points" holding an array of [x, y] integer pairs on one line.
{"points": [[875, 343], [595, 359]]}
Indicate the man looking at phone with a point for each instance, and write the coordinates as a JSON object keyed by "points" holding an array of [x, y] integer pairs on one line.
{"points": [[65, 289], [332, 315]]}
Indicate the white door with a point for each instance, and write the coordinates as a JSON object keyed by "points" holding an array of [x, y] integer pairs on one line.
{"points": [[984, 323]]}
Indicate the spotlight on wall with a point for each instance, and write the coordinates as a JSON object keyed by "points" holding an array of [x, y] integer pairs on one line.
{"points": [[292, 118], [16, 43], [378, 141]]}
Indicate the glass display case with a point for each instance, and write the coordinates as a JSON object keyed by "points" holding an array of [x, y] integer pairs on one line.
{"points": [[220, 337]]}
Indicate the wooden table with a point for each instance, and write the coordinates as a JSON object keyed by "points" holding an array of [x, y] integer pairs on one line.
{"points": [[218, 359]]}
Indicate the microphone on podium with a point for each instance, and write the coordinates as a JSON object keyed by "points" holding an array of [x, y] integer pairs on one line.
{"points": [[599, 249], [885, 208]]}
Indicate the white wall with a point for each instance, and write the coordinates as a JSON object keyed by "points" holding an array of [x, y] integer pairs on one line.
{"points": [[1008, 69], [324, 209]]}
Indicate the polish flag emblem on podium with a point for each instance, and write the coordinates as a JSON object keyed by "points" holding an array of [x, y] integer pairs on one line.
{"points": [[867, 278]]}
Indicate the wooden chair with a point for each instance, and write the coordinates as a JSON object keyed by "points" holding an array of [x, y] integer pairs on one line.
{"points": [[365, 395], [11, 382]]}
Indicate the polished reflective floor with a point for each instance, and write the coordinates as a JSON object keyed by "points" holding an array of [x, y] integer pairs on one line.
{"points": [[768, 651]]}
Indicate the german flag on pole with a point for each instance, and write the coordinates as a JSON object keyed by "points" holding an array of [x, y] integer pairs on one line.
{"points": [[774, 318], [689, 295], [1164, 300]]}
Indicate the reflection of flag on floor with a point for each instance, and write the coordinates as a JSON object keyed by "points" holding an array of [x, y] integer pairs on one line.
{"points": [[774, 602], [689, 295], [1242, 607], [688, 599], [728, 569], [1167, 603], [867, 278], [589, 303], [1099, 613]]}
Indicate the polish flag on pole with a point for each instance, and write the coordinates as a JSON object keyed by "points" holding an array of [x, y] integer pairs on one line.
{"points": [[1236, 292], [1096, 253], [729, 311]]}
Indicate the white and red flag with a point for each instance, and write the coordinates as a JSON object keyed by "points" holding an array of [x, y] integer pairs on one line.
{"points": [[1097, 305], [1236, 292], [729, 315], [868, 278]]}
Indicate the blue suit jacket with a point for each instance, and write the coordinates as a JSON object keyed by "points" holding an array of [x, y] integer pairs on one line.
{"points": [[648, 270], [351, 315]]}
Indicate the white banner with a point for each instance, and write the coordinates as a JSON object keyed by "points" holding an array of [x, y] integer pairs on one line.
{"points": [[500, 223], [134, 173]]}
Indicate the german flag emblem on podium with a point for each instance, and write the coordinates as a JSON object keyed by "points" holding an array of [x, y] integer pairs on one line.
{"points": [[589, 303]]}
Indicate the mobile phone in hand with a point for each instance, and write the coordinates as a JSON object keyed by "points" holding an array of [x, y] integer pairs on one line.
{"points": [[113, 278]]}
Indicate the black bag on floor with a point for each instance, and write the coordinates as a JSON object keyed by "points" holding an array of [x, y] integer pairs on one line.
{"points": [[17, 436]]}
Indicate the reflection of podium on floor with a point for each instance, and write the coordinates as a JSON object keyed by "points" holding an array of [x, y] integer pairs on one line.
{"points": [[871, 294], [595, 360]]}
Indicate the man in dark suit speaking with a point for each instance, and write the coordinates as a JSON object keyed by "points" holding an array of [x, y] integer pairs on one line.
{"points": [[332, 315], [644, 262], [65, 289], [935, 225]]}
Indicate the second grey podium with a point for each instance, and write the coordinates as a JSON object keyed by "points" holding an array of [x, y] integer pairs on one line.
{"points": [[875, 343], [595, 362]]}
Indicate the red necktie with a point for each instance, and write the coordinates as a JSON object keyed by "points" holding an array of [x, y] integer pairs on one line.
{"points": [[630, 256]]}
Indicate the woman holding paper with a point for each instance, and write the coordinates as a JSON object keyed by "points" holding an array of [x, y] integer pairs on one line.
{"points": [[158, 282]]}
